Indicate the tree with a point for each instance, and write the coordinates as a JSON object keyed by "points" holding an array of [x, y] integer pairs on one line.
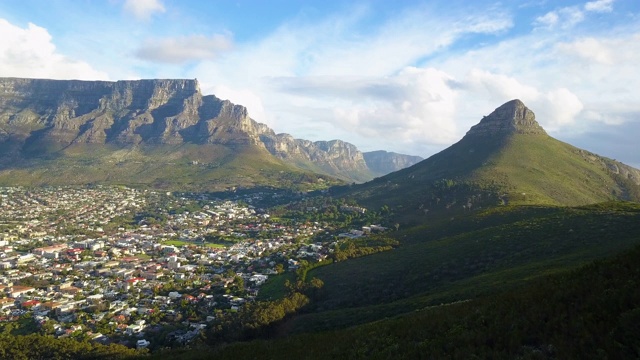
{"points": [[238, 283], [279, 268]]}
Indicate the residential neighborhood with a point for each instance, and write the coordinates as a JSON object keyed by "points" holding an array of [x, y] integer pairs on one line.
{"points": [[139, 267]]}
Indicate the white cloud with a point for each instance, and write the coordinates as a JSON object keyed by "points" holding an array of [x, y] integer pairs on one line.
{"points": [[183, 49], [563, 18], [323, 80], [401, 41], [415, 104], [554, 108], [562, 107], [599, 6], [250, 99], [549, 19], [567, 17], [30, 52], [589, 49], [143, 9], [362, 85], [500, 88]]}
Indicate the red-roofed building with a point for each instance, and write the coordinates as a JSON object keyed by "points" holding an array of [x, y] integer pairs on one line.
{"points": [[189, 297], [30, 304]]}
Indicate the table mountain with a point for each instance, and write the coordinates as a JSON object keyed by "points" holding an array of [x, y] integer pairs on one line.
{"points": [[162, 122]]}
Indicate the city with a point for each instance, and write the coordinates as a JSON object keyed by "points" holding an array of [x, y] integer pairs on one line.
{"points": [[144, 268]]}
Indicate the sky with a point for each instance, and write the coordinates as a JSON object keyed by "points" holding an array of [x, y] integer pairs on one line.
{"points": [[404, 76]]}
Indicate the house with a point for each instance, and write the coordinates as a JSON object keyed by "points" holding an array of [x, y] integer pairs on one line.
{"points": [[30, 304], [16, 290], [7, 303], [135, 328], [51, 305], [189, 298]]}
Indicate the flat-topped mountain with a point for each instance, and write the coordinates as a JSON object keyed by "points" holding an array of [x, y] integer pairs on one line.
{"points": [[507, 158], [162, 121]]}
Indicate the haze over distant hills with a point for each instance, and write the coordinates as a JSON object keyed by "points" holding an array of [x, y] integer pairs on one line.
{"points": [[157, 132]]}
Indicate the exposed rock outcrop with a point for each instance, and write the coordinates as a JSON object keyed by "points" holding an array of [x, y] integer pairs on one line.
{"points": [[40, 115], [383, 162], [511, 117], [334, 157]]}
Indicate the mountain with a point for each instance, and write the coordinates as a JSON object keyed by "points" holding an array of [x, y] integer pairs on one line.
{"points": [[383, 162], [151, 131], [507, 158], [337, 158]]}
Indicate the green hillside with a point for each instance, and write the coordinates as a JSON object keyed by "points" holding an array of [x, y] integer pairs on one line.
{"points": [[472, 256], [591, 312], [195, 167], [505, 159]]}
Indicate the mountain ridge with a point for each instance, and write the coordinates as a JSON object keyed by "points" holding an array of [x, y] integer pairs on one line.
{"points": [[42, 117]]}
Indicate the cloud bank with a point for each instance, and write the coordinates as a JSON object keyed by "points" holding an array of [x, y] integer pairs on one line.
{"points": [[30, 52], [178, 50]]}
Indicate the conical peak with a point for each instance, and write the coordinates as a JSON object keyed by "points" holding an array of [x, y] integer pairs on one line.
{"points": [[511, 117]]}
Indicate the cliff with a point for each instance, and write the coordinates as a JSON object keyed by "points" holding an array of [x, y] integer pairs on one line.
{"points": [[511, 117], [383, 162], [40, 117]]}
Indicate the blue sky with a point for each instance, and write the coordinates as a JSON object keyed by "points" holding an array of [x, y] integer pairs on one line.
{"points": [[404, 76]]}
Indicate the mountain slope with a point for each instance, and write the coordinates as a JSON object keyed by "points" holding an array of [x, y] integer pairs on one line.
{"points": [[560, 316], [506, 158], [383, 162], [151, 122]]}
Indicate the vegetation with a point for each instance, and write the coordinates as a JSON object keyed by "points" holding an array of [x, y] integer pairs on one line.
{"points": [[35, 346], [591, 312], [481, 254], [254, 319], [480, 172], [358, 247], [196, 167]]}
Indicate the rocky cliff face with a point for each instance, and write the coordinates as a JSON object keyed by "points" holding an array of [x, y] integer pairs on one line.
{"points": [[382, 162], [334, 157], [511, 117], [122, 112], [39, 115]]}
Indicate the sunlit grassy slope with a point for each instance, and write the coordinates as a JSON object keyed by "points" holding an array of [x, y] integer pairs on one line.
{"points": [[184, 167], [481, 171]]}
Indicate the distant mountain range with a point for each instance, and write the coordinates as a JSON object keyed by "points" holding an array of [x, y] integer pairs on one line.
{"points": [[158, 132], [507, 158]]}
